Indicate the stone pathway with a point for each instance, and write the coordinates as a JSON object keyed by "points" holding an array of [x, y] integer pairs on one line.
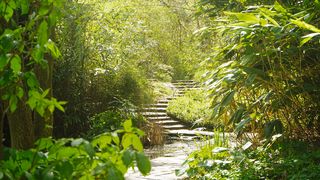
{"points": [[174, 129], [171, 156]]}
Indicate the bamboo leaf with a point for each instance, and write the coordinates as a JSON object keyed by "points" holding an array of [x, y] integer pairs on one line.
{"points": [[307, 38], [305, 25]]}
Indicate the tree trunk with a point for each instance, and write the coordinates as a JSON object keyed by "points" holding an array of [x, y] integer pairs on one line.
{"points": [[21, 126]]}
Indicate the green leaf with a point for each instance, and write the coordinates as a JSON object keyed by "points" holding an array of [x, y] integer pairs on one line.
{"points": [[274, 22], [24, 6], [136, 143], [127, 125], [20, 92], [32, 80], [3, 61], [8, 13], [15, 64], [143, 163], [44, 143], [307, 38], [114, 174], [126, 141], [278, 7], [305, 25], [43, 33], [44, 10], [64, 168], [89, 149], [227, 99], [246, 17], [241, 125], [102, 140], [13, 101], [53, 49], [127, 157]]}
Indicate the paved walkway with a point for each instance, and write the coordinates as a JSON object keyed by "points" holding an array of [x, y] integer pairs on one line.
{"points": [[171, 158]]}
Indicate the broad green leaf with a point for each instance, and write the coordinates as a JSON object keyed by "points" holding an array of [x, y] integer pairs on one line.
{"points": [[127, 125], [128, 157], [15, 64], [65, 169], [126, 141], [136, 142], [114, 174], [305, 25], [43, 33], [143, 163], [24, 6], [44, 143], [102, 140]]}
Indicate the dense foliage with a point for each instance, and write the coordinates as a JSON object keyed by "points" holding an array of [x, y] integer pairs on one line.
{"points": [[110, 49], [263, 71], [274, 160], [106, 156]]}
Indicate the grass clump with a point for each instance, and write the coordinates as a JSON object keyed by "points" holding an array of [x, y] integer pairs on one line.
{"points": [[192, 108]]}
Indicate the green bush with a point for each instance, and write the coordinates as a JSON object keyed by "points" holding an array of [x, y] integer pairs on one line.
{"points": [[192, 108], [274, 160], [111, 120], [105, 157]]}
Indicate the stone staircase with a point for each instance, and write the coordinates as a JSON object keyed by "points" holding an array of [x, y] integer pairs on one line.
{"points": [[174, 129]]}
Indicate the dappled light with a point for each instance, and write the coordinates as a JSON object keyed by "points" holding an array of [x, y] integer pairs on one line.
{"points": [[159, 89]]}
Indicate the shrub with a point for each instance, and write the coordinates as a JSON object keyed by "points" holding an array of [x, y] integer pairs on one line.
{"points": [[105, 157], [273, 160]]}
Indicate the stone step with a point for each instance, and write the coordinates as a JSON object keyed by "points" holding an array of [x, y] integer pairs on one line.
{"points": [[187, 87], [163, 101], [167, 122], [186, 132], [171, 98], [154, 109], [160, 105], [174, 127], [159, 118], [183, 81], [154, 114]]}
